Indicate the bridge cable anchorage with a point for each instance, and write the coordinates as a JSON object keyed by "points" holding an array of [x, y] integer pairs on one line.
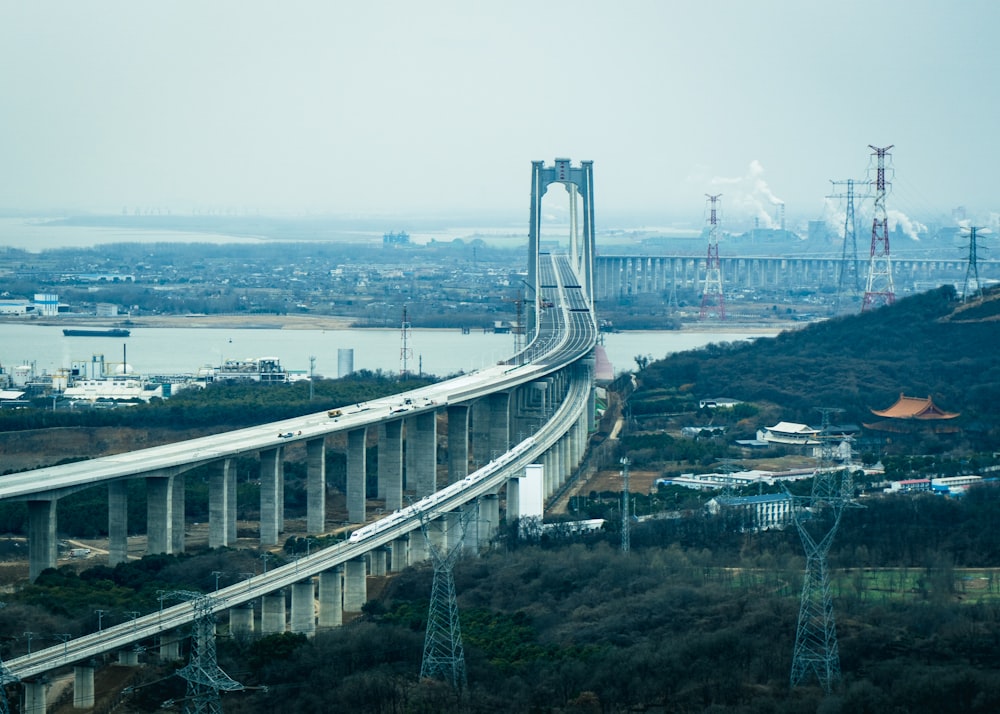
{"points": [[444, 655], [205, 679]]}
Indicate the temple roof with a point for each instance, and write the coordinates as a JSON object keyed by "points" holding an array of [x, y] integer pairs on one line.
{"points": [[914, 408]]}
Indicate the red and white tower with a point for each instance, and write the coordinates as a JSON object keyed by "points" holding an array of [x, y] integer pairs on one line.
{"points": [[879, 289], [712, 299]]}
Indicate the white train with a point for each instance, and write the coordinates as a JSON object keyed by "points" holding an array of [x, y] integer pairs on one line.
{"points": [[429, 502]]}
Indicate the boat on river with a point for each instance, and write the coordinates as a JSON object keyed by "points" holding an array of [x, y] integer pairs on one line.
{"points": [[111, 332]]}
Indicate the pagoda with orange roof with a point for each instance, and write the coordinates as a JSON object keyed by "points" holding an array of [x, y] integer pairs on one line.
{"points": [[911, 414]]}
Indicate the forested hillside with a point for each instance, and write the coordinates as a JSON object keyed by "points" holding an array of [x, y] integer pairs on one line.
{"points": [[925, 345]]}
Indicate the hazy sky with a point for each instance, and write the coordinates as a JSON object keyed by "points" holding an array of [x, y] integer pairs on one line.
{"points": [[394, 106]]}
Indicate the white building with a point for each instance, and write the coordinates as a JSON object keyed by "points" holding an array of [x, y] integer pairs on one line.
{"points": [[787, 432], [47, 304]]}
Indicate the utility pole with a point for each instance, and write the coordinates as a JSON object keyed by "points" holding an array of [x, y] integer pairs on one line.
{"points": [[879, 289], [626, 538], [405, 351]]}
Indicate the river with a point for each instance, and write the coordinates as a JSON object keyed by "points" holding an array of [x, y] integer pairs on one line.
{"points": [[168, 350]]}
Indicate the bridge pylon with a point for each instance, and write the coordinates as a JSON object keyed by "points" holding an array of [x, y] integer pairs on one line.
{"points": [[579, 183]]}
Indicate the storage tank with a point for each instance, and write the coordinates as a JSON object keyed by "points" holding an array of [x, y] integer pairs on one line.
{"points": [[345, 361]]}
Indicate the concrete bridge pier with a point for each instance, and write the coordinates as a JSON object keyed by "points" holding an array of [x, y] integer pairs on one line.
{"points": [[499, 424], [304, 608], [117, 522], [421, 450], [83, 686], [222, 503], [377, 558], [400, 556], [170, 646], [458, 443], [418, 547], [316, 486], [355, 585], [390, 464], [480, 433], [272, 613], [271, 495], [472, 513], [241, 620], [159, 514], [331, 593], [489, 518], [513, 499], [34, 697], [177, 513], [41, 536], [356, 474], [129, 658]]}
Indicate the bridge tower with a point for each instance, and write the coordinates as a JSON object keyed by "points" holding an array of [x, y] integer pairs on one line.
{"points": [[712, 298], [579, 182], [444, 655], [879, 289]]}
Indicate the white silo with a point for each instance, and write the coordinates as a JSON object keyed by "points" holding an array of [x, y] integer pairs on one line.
{"points": [[345, 361]]}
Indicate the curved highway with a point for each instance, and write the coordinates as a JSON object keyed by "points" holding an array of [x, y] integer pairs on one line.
{"points": [[567, 332]]}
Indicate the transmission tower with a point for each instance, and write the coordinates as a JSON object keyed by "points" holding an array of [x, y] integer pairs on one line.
{"points": [[712, 298], [205, 679], [6, 677], [444, 656], [972, 271], [672, 306], [626, 542], [816, 651], [405, 351], [879, 289], [849, 279]]}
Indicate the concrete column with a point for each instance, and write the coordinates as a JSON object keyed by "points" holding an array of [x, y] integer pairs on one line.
{"points": [[355, 585], [117, 522], [271, 503], [513, 499], [83, 686], [304, 608], [356, 468], [129, 658], [470, 542], [390, 464], [34, 697], [418, 547], [480, 433], [458, 442], [331, 593], [377, 557], [272, 613], [316, 486], [489, 518], [421, 441], [177, 514], [221, 489], [241, 620], [499, 424], [400, 556], [170, 646], [159, 514]]}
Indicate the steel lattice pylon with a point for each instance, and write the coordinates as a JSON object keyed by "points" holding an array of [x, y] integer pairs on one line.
{"points": [[6, 677], [879, 289], [712, 298], [816, 650], [205, 679], [444, 656]]}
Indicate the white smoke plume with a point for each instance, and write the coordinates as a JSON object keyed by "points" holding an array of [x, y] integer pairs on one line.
{"points": [[749, 196], [910, 227]]}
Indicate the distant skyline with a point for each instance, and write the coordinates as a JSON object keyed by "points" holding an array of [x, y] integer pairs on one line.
{"points": [[397, 107]]}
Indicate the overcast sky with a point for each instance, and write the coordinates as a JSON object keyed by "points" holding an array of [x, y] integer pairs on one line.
{"points": [[438, 107]]}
